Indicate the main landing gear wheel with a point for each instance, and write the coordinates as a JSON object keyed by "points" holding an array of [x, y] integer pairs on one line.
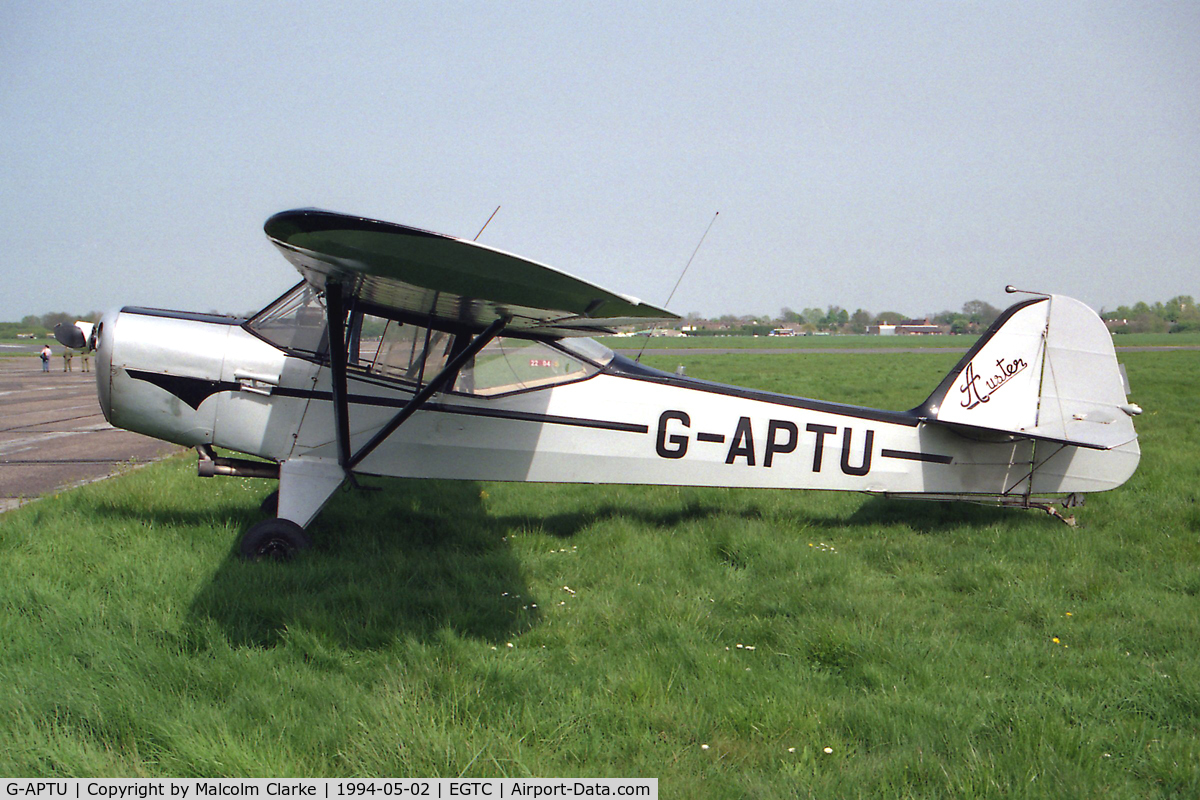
{"points": [[274, 539]]}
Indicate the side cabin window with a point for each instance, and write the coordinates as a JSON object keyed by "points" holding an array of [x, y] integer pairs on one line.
{"points": [[392, 350], [409, 353]]}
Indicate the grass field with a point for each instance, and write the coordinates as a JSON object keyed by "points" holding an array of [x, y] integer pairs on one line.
{"points": [[444, 629]]}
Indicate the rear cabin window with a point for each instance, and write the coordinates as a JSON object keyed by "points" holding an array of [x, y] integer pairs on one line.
{"points": [[511, 365]]}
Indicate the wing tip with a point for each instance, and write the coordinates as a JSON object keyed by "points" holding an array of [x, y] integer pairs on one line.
{"points": [[285, 224]]}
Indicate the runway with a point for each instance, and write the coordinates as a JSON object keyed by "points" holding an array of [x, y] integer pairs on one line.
{"points": [[53, 434]]}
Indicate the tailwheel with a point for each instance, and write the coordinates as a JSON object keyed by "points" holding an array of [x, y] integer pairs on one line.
{"points": [[274, 539]]}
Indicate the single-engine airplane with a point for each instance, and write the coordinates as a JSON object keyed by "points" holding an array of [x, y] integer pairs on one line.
{"points": [[413, 354]]}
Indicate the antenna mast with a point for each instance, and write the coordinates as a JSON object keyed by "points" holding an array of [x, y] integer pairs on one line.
{"points": [[679, 281], [489, 220]]}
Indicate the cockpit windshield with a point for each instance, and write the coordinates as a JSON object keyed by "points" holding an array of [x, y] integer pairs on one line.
{"points": [[294, 322]]}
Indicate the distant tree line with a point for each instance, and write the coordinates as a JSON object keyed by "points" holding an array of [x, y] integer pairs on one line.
{"points": [[975, 315], [1174, 316], [1177, 315], [41, 326], [32, 322]]}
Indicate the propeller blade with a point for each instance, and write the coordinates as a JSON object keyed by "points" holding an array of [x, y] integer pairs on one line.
{"points": [[70, 336]]}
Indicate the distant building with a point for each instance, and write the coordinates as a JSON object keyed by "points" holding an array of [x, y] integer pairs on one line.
{"points": [[704, 325], [910, 327]]}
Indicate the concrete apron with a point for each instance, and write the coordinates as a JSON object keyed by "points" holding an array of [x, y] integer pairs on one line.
{"points": [[53, 435]]}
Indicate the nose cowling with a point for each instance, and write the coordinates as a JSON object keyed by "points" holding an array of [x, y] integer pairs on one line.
{"points": [[155, 371]]}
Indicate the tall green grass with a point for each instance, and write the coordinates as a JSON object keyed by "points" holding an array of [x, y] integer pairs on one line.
{"points": [[447, 628]]}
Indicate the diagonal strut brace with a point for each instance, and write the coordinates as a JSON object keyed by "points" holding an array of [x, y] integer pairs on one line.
{"points": [[428, 390]]}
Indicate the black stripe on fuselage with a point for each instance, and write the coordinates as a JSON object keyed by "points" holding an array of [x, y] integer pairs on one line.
{"points": [[474, 411], [471, 411], [192, 391], [908, 455]]}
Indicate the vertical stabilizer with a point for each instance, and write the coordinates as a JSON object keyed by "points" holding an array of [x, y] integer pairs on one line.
{"points": [[1045, 369], [996, 385]]}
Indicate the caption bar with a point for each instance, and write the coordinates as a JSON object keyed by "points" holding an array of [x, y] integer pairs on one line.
{"points": [[326, 789]]}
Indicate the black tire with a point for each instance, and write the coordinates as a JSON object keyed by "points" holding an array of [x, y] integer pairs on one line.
{"points": [[274, 539], [270, 504]]}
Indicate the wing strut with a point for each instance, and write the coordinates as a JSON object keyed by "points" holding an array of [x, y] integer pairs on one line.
{"points": [[427, 391], [335, 310]]}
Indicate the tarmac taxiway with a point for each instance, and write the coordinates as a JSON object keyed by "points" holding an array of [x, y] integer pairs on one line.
{"points": [[53, 434]]}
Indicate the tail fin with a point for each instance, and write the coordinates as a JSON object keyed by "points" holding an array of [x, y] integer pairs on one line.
{"points": [[1046, 369]]}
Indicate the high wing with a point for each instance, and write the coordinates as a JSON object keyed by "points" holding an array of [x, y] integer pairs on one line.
{"points": [[448, 279]]}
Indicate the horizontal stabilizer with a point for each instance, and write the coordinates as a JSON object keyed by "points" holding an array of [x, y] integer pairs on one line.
{"points": [[1046, 369], [444, 278]]}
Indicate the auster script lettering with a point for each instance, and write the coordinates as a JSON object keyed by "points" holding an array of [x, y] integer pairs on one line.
{"points": [[974, 394]]}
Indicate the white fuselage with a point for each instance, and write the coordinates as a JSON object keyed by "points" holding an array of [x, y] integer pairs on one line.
{"points": [[197, 380]]}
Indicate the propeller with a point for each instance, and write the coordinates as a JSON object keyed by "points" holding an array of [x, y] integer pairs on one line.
{"points": [[74, 336]]}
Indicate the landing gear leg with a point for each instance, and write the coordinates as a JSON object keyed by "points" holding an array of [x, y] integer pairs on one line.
{"points": [[305, 485]]}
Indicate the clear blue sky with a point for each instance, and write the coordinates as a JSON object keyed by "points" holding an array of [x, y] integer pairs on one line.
{"points": [[906, 156]]}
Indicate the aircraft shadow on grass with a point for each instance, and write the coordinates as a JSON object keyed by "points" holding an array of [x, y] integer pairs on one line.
{"points": [[406, 558], [924, 517], [417, 558], [411, 559], [933, 517]]}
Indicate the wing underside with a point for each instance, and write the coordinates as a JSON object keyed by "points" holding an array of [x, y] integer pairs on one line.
{"points": [[460, 282]]}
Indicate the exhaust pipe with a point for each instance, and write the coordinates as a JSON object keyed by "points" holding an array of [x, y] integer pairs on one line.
{"points": [[210, 465]]}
